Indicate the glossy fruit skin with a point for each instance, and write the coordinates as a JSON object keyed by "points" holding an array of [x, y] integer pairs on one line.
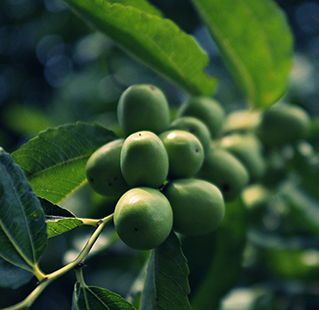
{"points": [[198, 206], [143, 107], [103, 170], [143, 218], [282, 124], [225, 171], [185, 153], [207, 110], [249, 150], [194, 126], [144, 160]]}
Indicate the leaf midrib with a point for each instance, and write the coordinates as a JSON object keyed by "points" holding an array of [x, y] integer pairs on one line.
{"points": [[12, 239]]}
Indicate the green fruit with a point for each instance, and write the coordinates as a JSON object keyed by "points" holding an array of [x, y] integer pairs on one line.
{"points": [[248, 149], [143, 107], [207, 110], [194, 126], [143, 218], [185, 153], [198, 206], [144, 160], [226, 171], [282, 124], [103, 170]]}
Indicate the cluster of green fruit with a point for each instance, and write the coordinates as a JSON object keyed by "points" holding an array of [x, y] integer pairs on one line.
{"points": [[179, 174]]}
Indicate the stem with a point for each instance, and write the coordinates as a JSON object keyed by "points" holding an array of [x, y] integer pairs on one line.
{"points": [[47, 279], [80, 279], [90, 222]]}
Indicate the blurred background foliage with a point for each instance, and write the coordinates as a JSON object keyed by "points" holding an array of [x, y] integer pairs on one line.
{"points": [[54, 70]]}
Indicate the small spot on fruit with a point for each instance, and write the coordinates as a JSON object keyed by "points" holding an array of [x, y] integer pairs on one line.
{"points": [[225, 187], [135, 229]]}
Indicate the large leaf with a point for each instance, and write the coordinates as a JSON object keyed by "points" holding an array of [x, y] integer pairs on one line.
{"points": [[226, 264], [23, 236], [54, 161], [255, 40], [96, 298], [156, 42], [166, 284], [12, 276]]}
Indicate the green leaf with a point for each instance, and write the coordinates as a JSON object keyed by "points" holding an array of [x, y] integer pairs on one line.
{"points": [[58, 226], [156, 42], [256, 43], [230, 241], [23, 236], [96, 298], [54, 161], [52, 210], [142, 5], [166, 284], [12, 276]]}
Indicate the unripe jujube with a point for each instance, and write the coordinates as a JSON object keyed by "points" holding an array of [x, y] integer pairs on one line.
{"points": [[195, 126], [283, 123], [143, 107], [143, 218], [185, 153], [198, 206], [225, 171], [207, 110], [144, 160], [103, 170], [248, 149]]}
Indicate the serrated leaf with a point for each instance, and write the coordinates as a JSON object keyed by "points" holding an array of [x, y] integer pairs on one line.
{"points": [[54, 161], [166, 284], [230, 241], [97, 298], [158, 43], [256, 43], [23, 235]]}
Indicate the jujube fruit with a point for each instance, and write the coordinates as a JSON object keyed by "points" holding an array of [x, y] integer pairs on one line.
{"points": [[225, 171], [103, 170], [143, 218], [198, 206], [207, 110], [185, 153], [282, 124], [248, 149], [143, 107], [194, 126], [144, 160]]}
